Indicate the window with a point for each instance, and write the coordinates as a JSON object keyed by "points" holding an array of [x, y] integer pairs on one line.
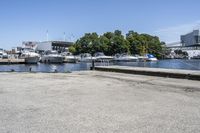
{"points": [[197, 39]]}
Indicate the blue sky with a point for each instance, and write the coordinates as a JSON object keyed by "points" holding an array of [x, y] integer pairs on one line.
{"points": [[24, 20]]}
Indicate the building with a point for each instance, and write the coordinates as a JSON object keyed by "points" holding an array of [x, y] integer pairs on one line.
{"points": [[191, 39], [59, 46], [16, 50], [29, 45]]}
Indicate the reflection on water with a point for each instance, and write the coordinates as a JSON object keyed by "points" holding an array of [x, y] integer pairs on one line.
{"points": [[170, 64], [46, 67]]}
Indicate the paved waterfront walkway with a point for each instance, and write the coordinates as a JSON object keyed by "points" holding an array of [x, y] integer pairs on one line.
{"points": [[173, 73], [93, 101]]}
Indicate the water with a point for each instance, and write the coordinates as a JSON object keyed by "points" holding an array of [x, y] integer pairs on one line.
{"points": [[46, 67], [169, 64]]}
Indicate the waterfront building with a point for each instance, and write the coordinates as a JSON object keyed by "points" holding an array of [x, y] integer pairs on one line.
{"points": [[189, 43], [60, 46], [191, 39]]}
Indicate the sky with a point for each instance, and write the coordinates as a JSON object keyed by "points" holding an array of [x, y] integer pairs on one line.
{"points": [[29, 20]]}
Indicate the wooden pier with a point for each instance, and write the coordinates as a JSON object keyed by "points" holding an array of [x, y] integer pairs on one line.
{"points": [[11, 61]]}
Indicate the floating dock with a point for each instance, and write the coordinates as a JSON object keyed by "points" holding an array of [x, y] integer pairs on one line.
{"points": [[11, 61], [171, 73]]}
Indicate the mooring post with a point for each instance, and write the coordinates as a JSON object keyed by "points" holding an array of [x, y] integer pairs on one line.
{"points": [[30, 69], [93, 65]]}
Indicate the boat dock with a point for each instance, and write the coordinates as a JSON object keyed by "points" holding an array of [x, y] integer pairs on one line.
{"points": [[11, 61], [161, 72]]}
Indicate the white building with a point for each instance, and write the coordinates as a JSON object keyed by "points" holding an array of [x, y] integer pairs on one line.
{"points": [[59, 46], [191, 39]]}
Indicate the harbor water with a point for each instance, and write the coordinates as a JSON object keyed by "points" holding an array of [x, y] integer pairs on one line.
{"points": [[68, 67]]}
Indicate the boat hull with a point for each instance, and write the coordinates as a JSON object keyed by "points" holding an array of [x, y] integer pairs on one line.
{"points": [[70, 60], [50, 59], [87, 59], [32, 60], [126, 60], [152, 59]]}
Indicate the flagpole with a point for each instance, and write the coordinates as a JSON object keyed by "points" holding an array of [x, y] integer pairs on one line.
{"points": [[47, 35]]}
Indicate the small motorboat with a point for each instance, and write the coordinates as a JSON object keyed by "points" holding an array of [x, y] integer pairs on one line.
{"points": [[52, 57], [69, 58], [30, 57], [102, 57], [125, 58], [151, 57], [86, 57]]}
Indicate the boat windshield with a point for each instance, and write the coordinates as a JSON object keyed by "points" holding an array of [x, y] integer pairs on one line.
{"points": [[150, 56], [86, 55], [99, 54], [51, 52]]}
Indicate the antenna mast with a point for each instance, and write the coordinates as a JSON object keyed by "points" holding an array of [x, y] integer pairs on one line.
{"points": [[64, 36], [47, 35]]}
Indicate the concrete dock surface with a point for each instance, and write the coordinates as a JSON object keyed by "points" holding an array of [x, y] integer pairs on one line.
{"points": [[93, 101], [162, 72]]}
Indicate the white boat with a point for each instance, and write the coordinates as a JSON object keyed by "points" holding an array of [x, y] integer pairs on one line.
{"points": [[102, 57], [142, 58], [52, 57], [125, 58], [30, 57], [3, 55], [69, 58], [86, 57], [151, 57]]}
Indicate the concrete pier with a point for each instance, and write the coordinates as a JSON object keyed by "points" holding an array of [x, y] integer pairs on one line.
{"points": [[11, 61], [97, 102], [171, 73]]}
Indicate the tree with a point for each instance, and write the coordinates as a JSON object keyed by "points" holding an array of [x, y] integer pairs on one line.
{"points": [[143, 43], [72, 49], [112, 43]]}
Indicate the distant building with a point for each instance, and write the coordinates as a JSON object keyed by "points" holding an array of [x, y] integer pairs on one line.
{"points": [[16, 50], [29, 45], [191, 39], [59, 46]]}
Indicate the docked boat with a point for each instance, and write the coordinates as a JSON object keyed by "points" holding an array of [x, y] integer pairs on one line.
{"points": [[52, 57], [3, 55], [142, 58], [147, 57], [195, 57], [151, 57], [125, 58], [69, 58], [102, 57], [30, 57], [86, 57]]}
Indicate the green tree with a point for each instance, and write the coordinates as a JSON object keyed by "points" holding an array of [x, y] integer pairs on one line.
{"points": [[72, 49], [112, 43]]}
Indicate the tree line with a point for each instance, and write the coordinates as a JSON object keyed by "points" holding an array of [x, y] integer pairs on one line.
{"points": [[111, 43]]}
